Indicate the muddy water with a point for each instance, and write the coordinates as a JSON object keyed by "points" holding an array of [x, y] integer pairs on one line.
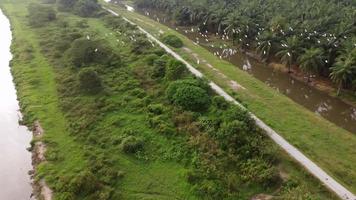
{"points": [[15, 160], [331, 108]]}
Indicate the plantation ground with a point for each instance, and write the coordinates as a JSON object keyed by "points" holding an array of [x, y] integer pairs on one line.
{"points": [[322, 141], [48, 93]]}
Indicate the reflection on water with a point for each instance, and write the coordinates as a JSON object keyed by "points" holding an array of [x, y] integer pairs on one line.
{"points": [[15, 160], [316, 101]]}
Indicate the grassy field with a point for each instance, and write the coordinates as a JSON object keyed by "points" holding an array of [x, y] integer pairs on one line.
{"points": [[35, 77], [325, 143], [85, 132]]}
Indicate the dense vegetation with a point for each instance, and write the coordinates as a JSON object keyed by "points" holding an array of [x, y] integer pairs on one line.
{"points": [[131, 106], [318, 36]]}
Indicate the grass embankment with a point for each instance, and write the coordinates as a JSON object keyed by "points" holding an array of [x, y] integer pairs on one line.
{"points": [[99, 92], [325, 143], [35, 78], [36, 90]]}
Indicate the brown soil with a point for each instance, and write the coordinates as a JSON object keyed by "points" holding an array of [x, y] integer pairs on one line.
{"points": [[41, 189]]}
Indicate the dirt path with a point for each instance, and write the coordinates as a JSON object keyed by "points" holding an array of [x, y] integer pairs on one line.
{"points": [[38, 155], [316, 171]]}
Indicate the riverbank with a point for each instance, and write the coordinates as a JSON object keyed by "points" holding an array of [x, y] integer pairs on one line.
{"points": [[37, 93], [310, 133], [15, 182]]}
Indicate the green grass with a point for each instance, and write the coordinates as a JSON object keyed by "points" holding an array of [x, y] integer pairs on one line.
{"points": [[35, 78], [157, 173], [329, 146], [36, 89]]}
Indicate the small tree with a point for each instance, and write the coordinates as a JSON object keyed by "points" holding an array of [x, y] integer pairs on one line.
{"points": [[173, 41], [89, 80], [159, 67], [87, 8], [175, 70], [188, 96], [39, 15]]}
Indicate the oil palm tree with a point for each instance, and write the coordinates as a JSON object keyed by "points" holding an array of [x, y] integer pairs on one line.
{"points": [[311, 61], [289, 51], [344, 69]]}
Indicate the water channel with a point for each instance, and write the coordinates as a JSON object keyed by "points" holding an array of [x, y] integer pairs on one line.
{"points": [[15, 160]]}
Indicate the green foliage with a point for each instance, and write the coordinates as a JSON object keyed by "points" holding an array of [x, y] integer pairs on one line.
{"points": [[175, 70], [276, 28], [140, 45], [173, 41], [188, 95], [159, 67], [40, 15], [134, 116], [86, 8], [131, 144], [85, 51], [66, 5], [89, 80]]}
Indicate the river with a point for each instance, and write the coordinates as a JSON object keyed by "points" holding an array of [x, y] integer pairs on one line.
{"points": [[322, 104], [15, 160]]}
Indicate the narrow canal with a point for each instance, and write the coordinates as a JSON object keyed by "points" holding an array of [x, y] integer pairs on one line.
{"points": [[322, 104], [15, 160]]}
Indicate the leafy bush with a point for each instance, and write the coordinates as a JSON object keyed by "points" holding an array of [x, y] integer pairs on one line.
{"points": [[175, 70], [66, 5], [173, 41], [188, 95], [220, 103], [84, 52], [39, 15], [131, 144], [159, 67], [141, 45], [86, 8], [155, 109], [89, 80]]}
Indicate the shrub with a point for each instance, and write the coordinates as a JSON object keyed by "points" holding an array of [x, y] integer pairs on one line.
{"points": [[150, 59], [156, 109], [66, 5], [173, 41], [175, 70], [86, 8], [131, 144], [188, 95], [85, 183], [220, 103], [39, 15], [172, 88], [159, 67], [89, 80], [140, 46], [84, 52]]}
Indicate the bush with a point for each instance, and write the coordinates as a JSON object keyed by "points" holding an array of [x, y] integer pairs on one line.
{"points": [[173, 41], [159, 67], [155, 109], [188, 95], [172, 88], [86, 8], [85, 183], [131, 144], [39, 15], [84, 52], [89, 80], [175, 70], [220, 103], [141, 45], [65, 5]]}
